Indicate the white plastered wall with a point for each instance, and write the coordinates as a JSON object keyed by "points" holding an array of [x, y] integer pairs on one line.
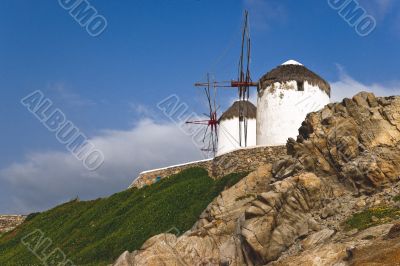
{"points": [[228, 135], [281, 108]]}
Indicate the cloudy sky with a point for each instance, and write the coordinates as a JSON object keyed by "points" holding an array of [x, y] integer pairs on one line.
{"points": [[109, 85]]}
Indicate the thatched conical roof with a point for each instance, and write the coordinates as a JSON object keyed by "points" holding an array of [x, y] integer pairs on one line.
{"points": [[290, 71], [249, 110]]}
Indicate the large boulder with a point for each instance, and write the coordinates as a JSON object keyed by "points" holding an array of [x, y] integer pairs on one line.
{"points": [[278, 217], [356, 140]]}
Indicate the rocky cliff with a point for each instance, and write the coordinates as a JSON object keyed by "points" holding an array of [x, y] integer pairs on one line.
{"points": [[334, 200]]}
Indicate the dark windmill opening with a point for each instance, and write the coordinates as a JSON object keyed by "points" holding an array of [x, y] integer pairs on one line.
{"points": [[241, 115], [300, 85]]}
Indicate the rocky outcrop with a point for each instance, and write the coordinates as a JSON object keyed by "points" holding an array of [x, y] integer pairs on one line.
{"points": [[251, 223], [293, 211], [9, 222], [357, 140], [278, 217], [367, 248]]}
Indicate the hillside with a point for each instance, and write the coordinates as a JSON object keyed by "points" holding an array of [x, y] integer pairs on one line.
{"points": [[97, 232], [334, 199]]}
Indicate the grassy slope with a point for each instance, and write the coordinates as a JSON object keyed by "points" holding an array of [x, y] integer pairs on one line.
{"points": [[96, 232]]}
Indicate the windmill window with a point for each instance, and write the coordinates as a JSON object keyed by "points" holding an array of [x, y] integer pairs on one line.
{"points": [[300, 85]]}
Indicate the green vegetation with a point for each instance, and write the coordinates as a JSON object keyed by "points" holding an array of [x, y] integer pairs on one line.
{"points": [[372, 217], [97, 232]]}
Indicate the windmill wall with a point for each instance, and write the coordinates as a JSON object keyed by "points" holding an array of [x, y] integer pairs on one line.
{"points": [[228, 135], [282, 107], [241, 160]]}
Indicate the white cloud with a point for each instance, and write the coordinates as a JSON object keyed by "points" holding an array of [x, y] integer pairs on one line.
{"points": [[142, 111], [347, 87], [265, 13], [45, 179]]}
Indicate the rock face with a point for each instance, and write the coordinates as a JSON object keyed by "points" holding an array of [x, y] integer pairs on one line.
{"points": [[291, 212], [356, 140], [9, 222], [278, 217]]}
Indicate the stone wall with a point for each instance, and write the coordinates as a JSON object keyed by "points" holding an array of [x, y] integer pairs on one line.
{"points": [[9, 222], [150, 177], [242, 160], [245, 160]]}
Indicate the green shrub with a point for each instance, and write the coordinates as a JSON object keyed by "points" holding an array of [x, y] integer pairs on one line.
{"points": [[96, 232], [396, 198], [364, 219]]}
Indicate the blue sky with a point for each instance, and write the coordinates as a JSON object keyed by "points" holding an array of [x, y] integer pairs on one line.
{"points": [[109, 85]]}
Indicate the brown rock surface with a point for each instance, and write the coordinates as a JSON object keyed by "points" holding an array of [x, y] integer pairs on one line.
{"points": [[278, 217], [357, 140], [378, 253], [394, 232]]}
